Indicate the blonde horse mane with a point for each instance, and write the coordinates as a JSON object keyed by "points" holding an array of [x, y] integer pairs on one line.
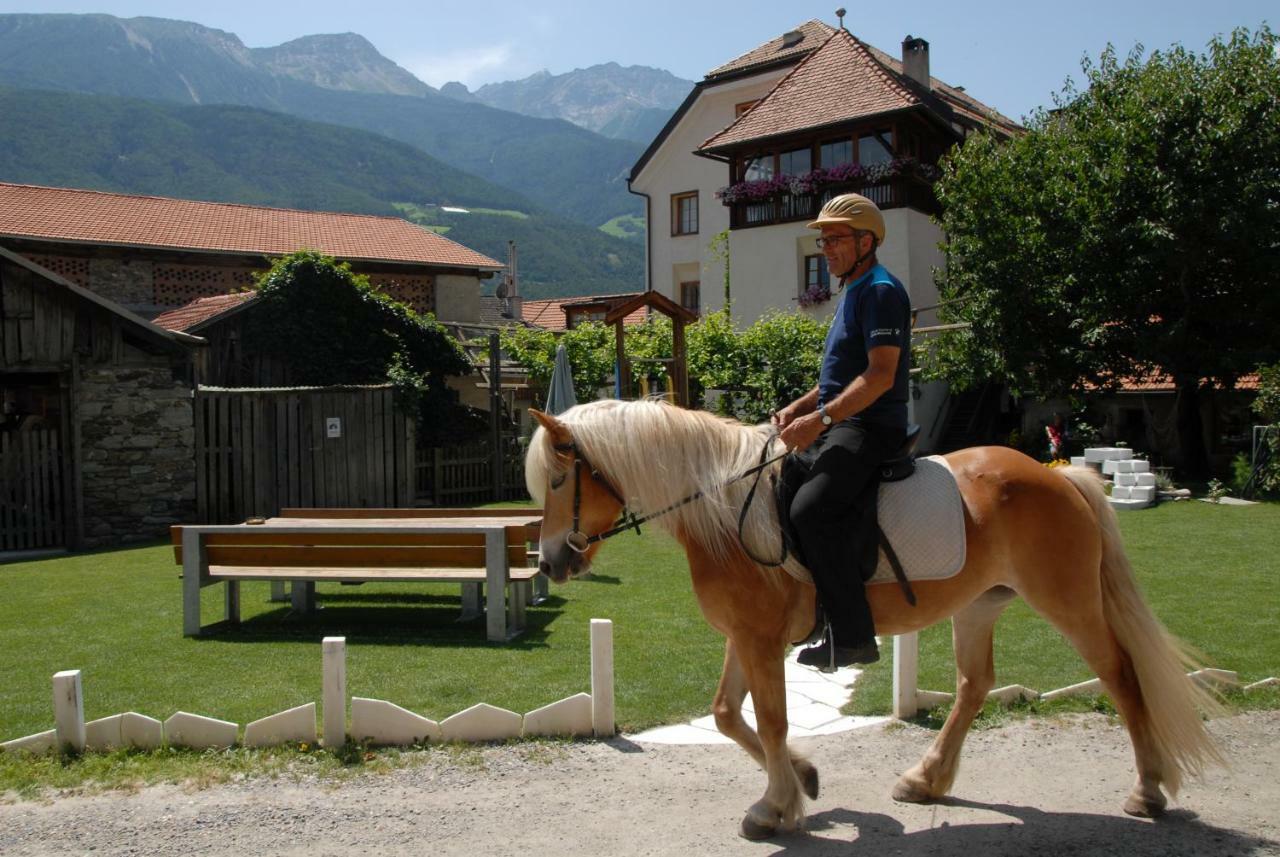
{"points": [[655, 454]]}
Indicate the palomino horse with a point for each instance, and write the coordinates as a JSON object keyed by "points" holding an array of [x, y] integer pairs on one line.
{"points": [[1046, 535]]}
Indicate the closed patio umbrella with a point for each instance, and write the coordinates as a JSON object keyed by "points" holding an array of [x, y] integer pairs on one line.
{"points": [[561, 398]]}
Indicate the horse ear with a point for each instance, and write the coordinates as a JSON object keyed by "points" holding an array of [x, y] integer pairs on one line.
{"points": [[558, 431]]}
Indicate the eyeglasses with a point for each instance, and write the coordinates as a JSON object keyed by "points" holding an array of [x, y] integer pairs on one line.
{"points": [[827, 242]]}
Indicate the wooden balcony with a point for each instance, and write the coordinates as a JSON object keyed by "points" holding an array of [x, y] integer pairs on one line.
{"points": [[897, 192]]}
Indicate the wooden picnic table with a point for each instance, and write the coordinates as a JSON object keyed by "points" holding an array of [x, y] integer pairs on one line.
{"points": [[306, 546]]}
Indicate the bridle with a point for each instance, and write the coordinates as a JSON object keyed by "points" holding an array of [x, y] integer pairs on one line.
{"points": [[580, 542]]}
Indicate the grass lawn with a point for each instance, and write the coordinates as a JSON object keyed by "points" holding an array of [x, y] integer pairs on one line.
{"points": [[117, 617], [1212, 572]]}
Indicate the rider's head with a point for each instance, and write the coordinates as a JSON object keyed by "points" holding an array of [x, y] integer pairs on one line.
{"points": [[852, 228]]}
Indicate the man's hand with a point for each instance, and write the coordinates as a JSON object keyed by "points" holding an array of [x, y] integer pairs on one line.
{"points": [[800, 432], [785, 417]]}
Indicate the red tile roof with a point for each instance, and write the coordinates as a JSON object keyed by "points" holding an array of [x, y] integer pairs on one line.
{"points": [[842, 81], [812, 35], [550, 314], [201, 310], [94, 217], [1157, 382]]}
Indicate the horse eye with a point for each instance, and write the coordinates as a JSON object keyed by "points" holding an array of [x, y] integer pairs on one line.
{"points": [[556, 483]]}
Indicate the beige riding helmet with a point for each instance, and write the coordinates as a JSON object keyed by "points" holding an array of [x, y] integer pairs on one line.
{"points": [[852, 209]]}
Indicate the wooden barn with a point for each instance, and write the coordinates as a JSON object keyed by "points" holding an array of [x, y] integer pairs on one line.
{"points": [[96, 431]]}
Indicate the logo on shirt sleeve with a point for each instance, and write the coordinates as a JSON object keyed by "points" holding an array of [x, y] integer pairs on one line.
{"points": [[886, 331]]}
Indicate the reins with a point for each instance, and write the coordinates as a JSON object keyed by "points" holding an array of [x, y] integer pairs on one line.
{"points": [[580, 541]]}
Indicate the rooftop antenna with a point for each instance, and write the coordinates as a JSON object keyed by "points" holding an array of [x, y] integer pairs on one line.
{"points": [[840, 16]]}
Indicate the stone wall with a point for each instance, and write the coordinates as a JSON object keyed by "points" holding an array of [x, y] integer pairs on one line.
{"points": [[137, 449]]}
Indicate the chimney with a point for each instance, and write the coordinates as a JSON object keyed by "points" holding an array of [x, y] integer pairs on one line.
{"points": [[915, 60]]}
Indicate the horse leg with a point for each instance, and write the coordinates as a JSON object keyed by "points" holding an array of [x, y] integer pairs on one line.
{"points": [[728, 714], [1080, 618], [782, 806], [971, 633]]}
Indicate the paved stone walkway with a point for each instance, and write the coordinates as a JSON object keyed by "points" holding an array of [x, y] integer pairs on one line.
{"points": [[813, 708]]}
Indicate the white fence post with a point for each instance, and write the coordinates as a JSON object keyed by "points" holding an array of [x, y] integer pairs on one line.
{"points": [[602, 678], [906, 667], [335, 691], [68, 710]]}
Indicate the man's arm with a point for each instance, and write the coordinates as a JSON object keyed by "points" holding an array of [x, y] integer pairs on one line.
{"points": [[882, 368], [882, 365]]}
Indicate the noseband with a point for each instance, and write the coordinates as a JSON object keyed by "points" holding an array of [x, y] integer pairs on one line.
{"points": [[577, 540]]}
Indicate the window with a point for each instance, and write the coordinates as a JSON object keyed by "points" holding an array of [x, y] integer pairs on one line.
{"points": [[578, 316], [875, 148], [739, 109], [796, 162], [684, 213], [816, 276], [691, 296], [757, 168], [836, 153]]}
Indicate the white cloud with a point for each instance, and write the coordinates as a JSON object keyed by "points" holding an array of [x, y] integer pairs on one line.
{"points": [[472, 66]]}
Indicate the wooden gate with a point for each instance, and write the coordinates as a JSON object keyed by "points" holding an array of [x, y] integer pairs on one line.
{"points": [[32, 509], [260, 450]]}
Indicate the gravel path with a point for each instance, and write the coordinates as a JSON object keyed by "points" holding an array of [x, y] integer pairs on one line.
{"points": [[1032, 788]]}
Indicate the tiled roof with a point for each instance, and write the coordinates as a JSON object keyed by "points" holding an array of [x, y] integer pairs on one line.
{"points": [[93, 217], [1157, 382], [812, 34], [844, 80], [201, 310], [550, 314]]}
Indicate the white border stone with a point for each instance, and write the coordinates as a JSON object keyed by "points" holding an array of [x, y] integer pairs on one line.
{"points": [[481, 722], [1084, 688], [68, 709], [570, 716], [295, 724], [602, 719], [334, 651], [381, 722], [184, 729], [41, 742]]}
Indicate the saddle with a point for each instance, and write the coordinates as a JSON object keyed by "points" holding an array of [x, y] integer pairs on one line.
{"points": [[866, 537]]}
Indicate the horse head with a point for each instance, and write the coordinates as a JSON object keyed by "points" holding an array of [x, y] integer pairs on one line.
{"points": [[577, 500]]}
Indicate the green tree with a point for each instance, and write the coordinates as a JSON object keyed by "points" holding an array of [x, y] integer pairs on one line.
{"points": [[330, 326], [1135, 228], [589, 347]]}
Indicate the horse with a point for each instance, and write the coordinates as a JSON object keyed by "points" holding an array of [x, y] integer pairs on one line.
{"points": [[1045, 534]]}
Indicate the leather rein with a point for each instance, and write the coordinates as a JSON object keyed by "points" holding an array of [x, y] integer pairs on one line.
{"points": [[580, 542]]}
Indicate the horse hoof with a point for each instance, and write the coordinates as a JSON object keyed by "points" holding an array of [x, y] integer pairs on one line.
{"points": [[755, 831], [1145, 807], [907, 791]]}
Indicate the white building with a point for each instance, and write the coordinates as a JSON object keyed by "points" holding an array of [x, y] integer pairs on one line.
{"points": [[775, 133]]}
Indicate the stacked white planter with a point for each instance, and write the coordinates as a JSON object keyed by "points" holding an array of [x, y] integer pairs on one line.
{"points": [[1133, 483]]}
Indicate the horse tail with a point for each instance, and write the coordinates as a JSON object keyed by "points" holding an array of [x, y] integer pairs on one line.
{"points": [[1173, 702]]}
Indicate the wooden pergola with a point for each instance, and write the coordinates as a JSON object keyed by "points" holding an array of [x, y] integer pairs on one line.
{"points": [[677, 364]]}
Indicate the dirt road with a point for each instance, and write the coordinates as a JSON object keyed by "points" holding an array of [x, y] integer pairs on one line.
{"points": [[1032, 788]]}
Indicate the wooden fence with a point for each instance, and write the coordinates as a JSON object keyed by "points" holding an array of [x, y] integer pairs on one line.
{"points": [[260, 450], [32, 490], [463, 475]]}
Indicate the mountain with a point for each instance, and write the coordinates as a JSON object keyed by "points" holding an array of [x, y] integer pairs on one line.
{"points": [[624, 102], [228, 153], [335, 79], [346, 61]]}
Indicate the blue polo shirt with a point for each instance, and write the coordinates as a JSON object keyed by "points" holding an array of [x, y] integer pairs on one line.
{"points": [[875, 310]]}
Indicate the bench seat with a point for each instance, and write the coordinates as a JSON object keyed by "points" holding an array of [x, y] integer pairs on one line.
{"points": [[362, 575]]}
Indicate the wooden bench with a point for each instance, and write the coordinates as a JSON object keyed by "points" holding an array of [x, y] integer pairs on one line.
{"points": [[306, 549]]}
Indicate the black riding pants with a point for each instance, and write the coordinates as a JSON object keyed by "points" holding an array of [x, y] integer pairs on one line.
{"points": [[844, 461]]}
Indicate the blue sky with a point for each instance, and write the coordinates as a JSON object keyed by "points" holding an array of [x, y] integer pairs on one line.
{"points": [[1013, 56]]}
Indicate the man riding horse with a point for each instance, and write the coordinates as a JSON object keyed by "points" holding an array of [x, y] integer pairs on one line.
{"points": [[855, 418]]}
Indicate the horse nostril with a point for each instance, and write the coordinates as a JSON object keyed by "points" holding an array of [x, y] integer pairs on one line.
{"points": [[544, 567]]}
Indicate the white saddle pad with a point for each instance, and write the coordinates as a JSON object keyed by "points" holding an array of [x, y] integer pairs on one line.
{"points": [[923, 518]]}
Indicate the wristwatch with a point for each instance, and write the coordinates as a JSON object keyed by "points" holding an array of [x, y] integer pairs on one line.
{"points": [[826, 417]]}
